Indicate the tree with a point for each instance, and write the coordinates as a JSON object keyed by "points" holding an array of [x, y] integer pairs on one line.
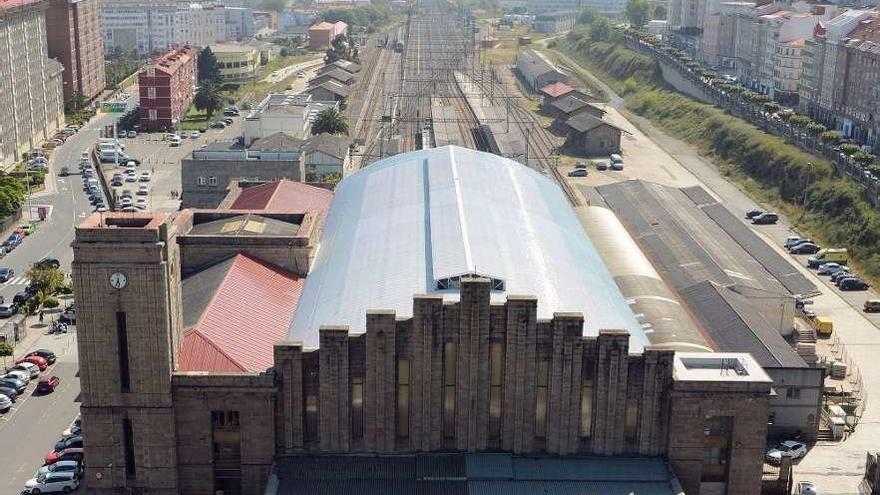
{"points": [[831, 138], [587, 16], [849, 149], [864, 158], [12, 194], [816, 129], [209, 68], [330, 121], [638, 12], [771, 107], [600, 29], [208, 97], [76, 102], [660, 12], [800, 121], [341, 48], [47, 279], [5, 352]]}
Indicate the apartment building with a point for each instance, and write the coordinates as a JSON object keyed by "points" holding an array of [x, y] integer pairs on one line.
{"points": [[151, 27], [787, 70], [607, 7], [718, 41], [824, 85], [75, 38], [167, 84], [31, 94], [323, 33], [861, 106]]}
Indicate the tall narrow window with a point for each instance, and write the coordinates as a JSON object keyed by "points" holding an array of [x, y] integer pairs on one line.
{"points": [[631, 424], [128, 446], [122, 352], [541, 398], [586, 408], [449, 375], [357, 407], [496, 373], [311, 417], [403, 398]]}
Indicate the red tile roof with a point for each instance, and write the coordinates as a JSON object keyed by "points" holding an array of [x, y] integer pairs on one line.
{"points": [[284, 195], [556, 89], [249, 312]]}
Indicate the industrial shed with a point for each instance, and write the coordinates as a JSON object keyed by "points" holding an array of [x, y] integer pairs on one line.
{"points": [[538, 71]]}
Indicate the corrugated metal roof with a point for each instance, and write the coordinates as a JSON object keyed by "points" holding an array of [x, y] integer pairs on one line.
{"points": [[249, 312], [284, 195], [399, 226], [735, 326]]}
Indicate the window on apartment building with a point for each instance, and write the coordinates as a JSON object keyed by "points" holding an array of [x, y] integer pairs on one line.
{"points": [[202, 181], [496, 375], [541, 393], [153, 114], [151, 72], [631, 421], [122, 352], [792, 393], [357, 407], [212, 181], [311, 433], [403, 377], [151, 92], [450, 363], [128, 447]]}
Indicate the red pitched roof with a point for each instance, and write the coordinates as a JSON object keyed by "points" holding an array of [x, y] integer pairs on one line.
{"points": [[284, 195], [249, 312], [556, 89]]}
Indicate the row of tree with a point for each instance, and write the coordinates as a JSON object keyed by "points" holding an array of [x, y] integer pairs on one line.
{"points": [[209, 95]]}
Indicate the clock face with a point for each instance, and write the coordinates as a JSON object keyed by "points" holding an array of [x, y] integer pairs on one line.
{"points": [[118, 280]]}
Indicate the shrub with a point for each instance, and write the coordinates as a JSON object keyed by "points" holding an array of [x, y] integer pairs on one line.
{"points": [[51, 302], [864, 158], [831, 138], [849, 149]]}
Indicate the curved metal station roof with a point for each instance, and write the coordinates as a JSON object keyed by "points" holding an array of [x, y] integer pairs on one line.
{"points": [[415, 222]]}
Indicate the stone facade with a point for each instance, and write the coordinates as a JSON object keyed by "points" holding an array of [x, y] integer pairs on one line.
{"points": [[206, 181], [75, 38], [466, 376]]}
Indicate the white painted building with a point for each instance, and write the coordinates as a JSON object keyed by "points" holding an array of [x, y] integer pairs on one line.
{"points": [[155, 26], [291, 114]]}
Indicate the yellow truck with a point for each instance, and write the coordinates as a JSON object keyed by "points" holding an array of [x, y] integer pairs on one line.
{"points": [[827, 255], [823, 325]]}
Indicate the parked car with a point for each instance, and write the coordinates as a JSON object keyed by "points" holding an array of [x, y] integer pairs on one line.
{"points": [[194, 135], [841, 274], [64, 172], [227, 120], [21, 297], [871, 306], [40, 361], [46, 354], [72, 442], [62, 467], [131, 177], [804, 248], [806, 488], [578, 172], [48, 261], [6, 274], [75, 428], [47, 384], [143, 190], [129, 209], [203, 130], [31, 369], [68, 315], [24, 376], [853, 283], [71, 454], [141, 203], [829, 268], [218, 125], [795, 449], [13, 383], [9, 392], [131, 134], [8, 310], [765, 218], [5, 404], [145, 176], [753, 213]]}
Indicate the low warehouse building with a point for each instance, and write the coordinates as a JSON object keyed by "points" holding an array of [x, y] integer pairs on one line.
{"points": [[591, 136], [537, 71]]}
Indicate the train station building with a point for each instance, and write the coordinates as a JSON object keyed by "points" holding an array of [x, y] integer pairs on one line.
{"points": [[443, 323]]}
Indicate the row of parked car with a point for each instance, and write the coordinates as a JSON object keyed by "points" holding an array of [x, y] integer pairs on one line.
{"points": [[761, 217], [827, 261], [27, 369], [63, 467]]}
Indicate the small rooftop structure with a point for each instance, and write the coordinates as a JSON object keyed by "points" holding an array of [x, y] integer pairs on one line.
{"points": [[280, 141], [248, 224], [717, 367]]}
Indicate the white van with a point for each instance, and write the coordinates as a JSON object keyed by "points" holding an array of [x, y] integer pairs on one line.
{"points": [[113, 141], [176, 140]]}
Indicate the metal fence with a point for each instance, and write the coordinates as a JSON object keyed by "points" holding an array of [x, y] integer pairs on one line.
{"points": [[754, 113]]}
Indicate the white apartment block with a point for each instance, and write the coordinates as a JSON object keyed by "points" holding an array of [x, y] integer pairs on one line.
{"points": [[31, 96], [155, 26], [607, 7], [282, 112]]}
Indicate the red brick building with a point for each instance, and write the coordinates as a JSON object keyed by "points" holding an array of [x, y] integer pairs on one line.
{"points": [[167, 84], [322, 33], [75, 38]]}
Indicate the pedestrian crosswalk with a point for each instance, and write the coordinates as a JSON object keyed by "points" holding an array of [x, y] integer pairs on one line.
{"points": [[17, 281]]}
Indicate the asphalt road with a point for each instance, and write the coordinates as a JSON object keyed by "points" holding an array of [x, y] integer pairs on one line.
{"points": [[35, 422]]}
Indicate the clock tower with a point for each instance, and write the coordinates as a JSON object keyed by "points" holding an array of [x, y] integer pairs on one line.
{"points": [[126, 279]]}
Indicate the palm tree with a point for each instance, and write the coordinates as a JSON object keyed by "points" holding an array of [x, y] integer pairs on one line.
{"points": [[330, 121], [208, 97]]}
